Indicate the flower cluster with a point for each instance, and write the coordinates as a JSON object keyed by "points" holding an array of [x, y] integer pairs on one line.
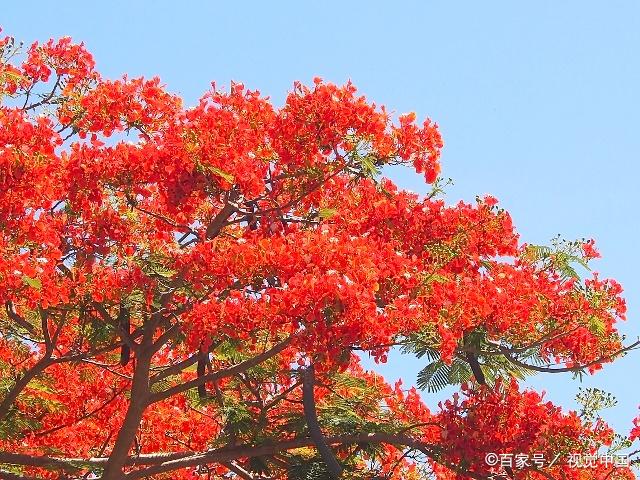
{"points": [[169, 275]]}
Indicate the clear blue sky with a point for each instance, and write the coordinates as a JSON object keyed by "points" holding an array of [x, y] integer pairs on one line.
{"points": [[538, 102]]}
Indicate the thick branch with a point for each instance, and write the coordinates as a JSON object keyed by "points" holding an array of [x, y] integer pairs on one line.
{"points": [[472, 359], [230, 454], [200, 370], [65, 464], [125, 335], [124, 324], [135, 411], [309, 403], [168, 462], [217, 223]]}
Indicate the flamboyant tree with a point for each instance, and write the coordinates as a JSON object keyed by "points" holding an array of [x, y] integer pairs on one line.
{"points": [[186, 292]]}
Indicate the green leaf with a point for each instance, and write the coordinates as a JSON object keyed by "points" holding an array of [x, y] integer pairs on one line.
{"points": [[434, 377], [368, 165], [32, 282], [326, 213], [163, 271], [227, 176], [596, 325]]}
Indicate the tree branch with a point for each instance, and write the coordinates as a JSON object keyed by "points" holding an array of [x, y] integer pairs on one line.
{"points": [[226, 454], [217, 223], [176, 368], [13, 315], [167, 462], [309, 404], [227, 372], [577, 368], [137, 404], [22, 383]]}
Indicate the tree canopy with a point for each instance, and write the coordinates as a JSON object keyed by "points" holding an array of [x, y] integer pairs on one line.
{"points": [[187, 292]]}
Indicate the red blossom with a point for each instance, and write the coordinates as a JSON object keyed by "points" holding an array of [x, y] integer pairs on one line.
{"points": [[169, 275]]}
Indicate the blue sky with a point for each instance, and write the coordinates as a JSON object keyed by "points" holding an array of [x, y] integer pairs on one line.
{"points": [[538, 102]]}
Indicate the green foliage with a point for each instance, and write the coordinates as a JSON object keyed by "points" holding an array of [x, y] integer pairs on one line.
{"points": [[37, 397], [596, 325], [15, 424], [227, 176], [619, 444], [593, 401], [96, 331], [366, 163], [327, 213], [259, 465], [563, 257], [238, 419], [159, 270], [32, 282], [229, 351], [437, 374], [305, 469], [438, 187]]}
